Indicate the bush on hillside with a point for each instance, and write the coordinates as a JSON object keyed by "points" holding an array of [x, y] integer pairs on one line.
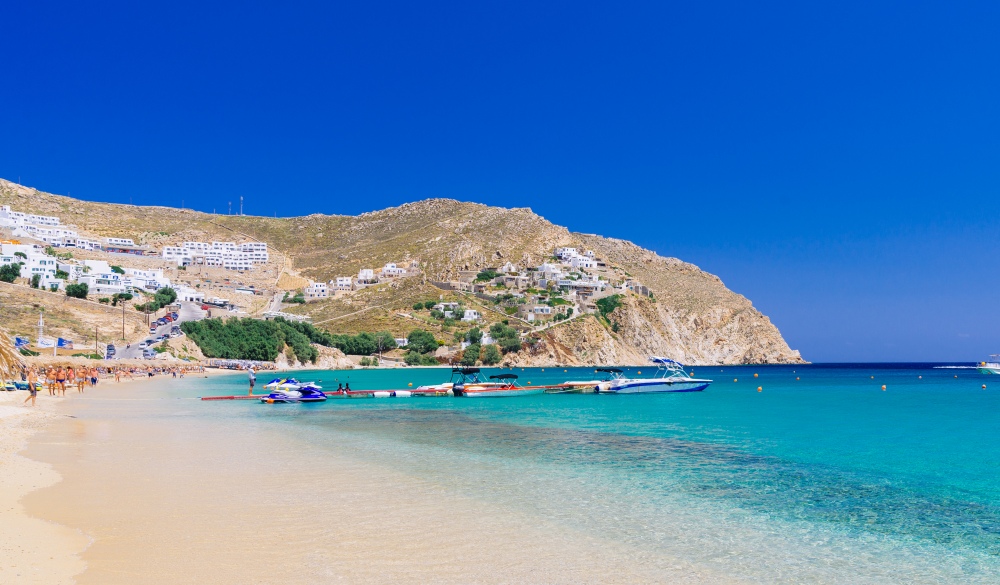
{"points": [[10, 272], [491, 355], [421, 341], [77, 290], [471, 355]]}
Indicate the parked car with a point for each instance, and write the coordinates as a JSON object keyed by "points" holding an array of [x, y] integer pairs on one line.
{"points": [[204, 307], [175, 316], [168, 318], [148, 354], [152, 329], [143, 345]]}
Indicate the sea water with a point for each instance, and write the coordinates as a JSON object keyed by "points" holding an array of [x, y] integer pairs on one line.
{"points": [[774, 474]]}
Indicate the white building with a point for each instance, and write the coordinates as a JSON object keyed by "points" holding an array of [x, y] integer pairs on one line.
{"points": [[186, 293], [114, 242], [103, 284], [471, 315], [316, 290], [566, 254], [366, 275], [509, 268], [583, 262], [145, 279], [390, 270], [342, 283]]}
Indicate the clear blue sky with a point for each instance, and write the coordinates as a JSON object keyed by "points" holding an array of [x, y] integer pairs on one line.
{"points": [[838, 164]]}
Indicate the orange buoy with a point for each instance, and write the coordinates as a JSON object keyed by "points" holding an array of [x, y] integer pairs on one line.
{"points": [[692, 373], [760, 388], [984, 386], [410, 384], [529, 383], [796, 377], [883, 387], [755, 375], [638, 372], [735, 380]]}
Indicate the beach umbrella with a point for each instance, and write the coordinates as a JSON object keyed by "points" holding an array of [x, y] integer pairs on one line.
{"points": [[10, 358]]}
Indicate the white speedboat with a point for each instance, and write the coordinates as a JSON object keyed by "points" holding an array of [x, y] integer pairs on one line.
{"points": [[990, 366], [588, 386], [670, 377]]}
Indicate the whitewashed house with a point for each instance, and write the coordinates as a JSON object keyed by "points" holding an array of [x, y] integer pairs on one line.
{"points": [[471, 315], [366, 275], [316, 290], [390, 270]]}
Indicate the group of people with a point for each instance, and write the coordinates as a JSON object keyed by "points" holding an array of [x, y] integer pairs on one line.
{"points": [[56, 379]]}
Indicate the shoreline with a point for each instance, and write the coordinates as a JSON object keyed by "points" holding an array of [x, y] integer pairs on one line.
{"points": [[32, 550]]}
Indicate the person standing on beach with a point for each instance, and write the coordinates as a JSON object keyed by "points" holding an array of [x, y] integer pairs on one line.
{"points": [[71, 375], [32, 388], [93, 376], [253, 379], [61, 381]]}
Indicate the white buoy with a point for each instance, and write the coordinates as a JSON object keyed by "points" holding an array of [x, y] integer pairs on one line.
{"points": [[402, 393], [382, 394]]}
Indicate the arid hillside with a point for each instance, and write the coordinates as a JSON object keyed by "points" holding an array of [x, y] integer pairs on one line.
{"points": [[692, 315]]}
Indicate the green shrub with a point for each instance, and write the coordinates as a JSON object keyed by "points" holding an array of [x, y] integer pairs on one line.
{"points": [[421, 341], [76, 290], [607, 305], [471, 355], [118, 270], [487, 275], [429, 304], [418, 306], [10, 272], [491, 355]]}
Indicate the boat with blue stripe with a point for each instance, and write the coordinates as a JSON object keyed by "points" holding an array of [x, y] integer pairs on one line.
{"points": [[670, 377]]}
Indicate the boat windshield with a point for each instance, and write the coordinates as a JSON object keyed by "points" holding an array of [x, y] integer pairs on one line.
{"points": [[610, 373], [668, 368]]}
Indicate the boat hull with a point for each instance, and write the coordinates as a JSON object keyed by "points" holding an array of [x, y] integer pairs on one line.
{"points": [[499, 392], [656, 387], [989, 370]]}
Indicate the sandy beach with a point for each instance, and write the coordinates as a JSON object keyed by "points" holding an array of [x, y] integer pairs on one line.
{"points": [[34, 550], [154, 495]]}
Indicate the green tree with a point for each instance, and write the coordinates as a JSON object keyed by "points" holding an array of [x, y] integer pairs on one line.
{"points": [[475, 335], [62, 274], [118, 269], [20, 255], [487, 275], [429, 304], [165, 296], [607, 305], [10, 272], [418, 306], [421, 341], [78, 291], [35, 279], [471, 355], [491, 355], [384, 341]]}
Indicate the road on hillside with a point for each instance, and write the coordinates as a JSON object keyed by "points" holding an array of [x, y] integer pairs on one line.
{"points": [[188, 312]]}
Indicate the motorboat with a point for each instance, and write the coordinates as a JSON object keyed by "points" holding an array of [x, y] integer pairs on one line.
{"points": [[990, 366], [469, 382], [670, 377], [291, 390], [500, 385], [588, 386]]}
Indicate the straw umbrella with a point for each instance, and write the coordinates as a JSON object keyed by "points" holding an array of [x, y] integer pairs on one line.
{"points": [[10, 358]]}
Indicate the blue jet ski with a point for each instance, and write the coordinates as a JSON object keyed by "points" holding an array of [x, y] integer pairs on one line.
{"points": [[291, 390]]}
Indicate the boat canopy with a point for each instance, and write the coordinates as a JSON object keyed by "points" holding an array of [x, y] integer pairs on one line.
{"points": [[504, 377], [465, 371], [609, 370], [663, 360]]}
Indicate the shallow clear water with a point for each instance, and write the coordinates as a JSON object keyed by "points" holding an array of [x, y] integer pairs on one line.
{"points": [[820, 477]]}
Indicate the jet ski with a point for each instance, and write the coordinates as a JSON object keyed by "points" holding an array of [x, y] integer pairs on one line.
{"points": [[291, 390]]}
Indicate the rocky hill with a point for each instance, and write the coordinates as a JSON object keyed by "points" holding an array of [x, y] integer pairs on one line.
{"points": [[692, 315]]}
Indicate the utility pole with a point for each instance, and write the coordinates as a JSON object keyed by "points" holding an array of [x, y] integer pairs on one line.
{"points": [[241, 206], [123, 318], [230, 208]]}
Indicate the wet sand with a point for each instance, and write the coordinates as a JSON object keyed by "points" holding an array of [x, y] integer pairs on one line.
{"points": [[168, 495]]}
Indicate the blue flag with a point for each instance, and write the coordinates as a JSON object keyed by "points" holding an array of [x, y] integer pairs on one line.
{"points": [[20, 342], [65, 343]]}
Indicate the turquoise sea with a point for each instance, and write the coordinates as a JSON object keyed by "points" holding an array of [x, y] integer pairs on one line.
{"points": [[820, 477]]}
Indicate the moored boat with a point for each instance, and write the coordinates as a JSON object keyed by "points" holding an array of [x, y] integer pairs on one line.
{"points": [[587, 386], [990, 366], [502, 385], [670, 377]]}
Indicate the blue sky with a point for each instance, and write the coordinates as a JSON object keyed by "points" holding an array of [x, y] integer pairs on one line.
{"points": [[837, 163]]}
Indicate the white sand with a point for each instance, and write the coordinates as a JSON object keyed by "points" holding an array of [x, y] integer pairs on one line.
{"points": [[31, 550]]}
